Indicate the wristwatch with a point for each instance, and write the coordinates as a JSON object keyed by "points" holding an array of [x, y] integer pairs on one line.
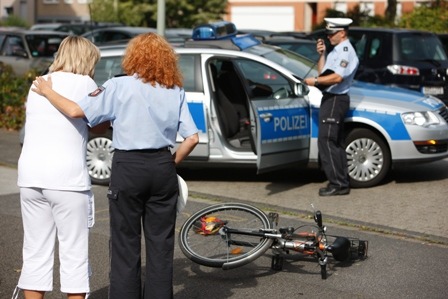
{"points": [[315, 81]]}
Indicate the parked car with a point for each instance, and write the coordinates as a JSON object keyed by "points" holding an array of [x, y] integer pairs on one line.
{"points": [[46, 26], [25, 50], [73, 28], [444, 39], [110, 34], [410, 59], [122, 34], [252, 109]]}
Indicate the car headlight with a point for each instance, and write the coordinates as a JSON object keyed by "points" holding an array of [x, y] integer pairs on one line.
{"points": [[424, 118]]}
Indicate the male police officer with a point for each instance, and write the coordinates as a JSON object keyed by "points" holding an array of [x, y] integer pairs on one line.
{"points": [[336, 75]]}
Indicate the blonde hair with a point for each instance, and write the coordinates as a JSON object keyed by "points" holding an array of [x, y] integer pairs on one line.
{"points": [[153, 59], [77, 55]]}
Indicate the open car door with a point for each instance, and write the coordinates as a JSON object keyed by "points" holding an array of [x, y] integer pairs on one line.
{"points": [[279, 117], [282, 132]]}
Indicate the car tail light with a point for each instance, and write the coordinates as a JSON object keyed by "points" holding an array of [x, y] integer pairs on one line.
{"points": [[403, 70]]}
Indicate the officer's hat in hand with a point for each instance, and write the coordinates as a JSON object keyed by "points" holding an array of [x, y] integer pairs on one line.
{"points": [[337, 24], [183, 194]]}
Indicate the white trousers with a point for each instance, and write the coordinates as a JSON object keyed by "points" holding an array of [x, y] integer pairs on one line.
{"points": [[47, 214]]}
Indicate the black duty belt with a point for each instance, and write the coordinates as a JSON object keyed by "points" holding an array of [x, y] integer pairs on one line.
{"points": [[146, 150], [329, 94]]}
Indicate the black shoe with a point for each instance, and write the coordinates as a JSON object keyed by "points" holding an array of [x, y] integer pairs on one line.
{"points": [[330, 191]]}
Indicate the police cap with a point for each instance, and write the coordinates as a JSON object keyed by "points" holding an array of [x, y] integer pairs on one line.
{"points": [[337, 24]]}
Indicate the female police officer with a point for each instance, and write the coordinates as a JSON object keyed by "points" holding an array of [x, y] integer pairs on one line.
{"points": [[147, 108], [336, 75]]}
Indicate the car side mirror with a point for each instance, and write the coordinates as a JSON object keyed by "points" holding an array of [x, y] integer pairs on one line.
{"points": [[301, 89]]}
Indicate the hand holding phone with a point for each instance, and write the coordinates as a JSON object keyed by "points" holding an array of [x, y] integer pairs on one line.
{"points": [[320, 46]]}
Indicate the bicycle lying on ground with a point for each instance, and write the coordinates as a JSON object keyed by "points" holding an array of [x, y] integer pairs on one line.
{"points": [[231, 235]]}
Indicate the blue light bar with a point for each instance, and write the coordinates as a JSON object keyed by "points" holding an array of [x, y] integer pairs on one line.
{"points": [[214, 31], [245, 41]]}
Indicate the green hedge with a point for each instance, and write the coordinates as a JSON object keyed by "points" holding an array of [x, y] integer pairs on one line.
{"points": [[13, 93]]}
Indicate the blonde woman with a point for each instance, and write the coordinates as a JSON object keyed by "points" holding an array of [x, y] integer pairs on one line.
{"points": [[148, 108], [56, 201]]}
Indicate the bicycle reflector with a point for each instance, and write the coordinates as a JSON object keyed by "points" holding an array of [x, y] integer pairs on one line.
{"points": [[208, 225]]}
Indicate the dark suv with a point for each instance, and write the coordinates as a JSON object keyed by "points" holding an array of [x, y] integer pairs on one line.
{"points": [[405, 58]]}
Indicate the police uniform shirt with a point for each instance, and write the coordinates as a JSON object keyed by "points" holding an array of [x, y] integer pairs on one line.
{"points": [[143, 116], [343, 61]]}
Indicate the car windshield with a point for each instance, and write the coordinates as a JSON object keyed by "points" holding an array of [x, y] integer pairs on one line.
{"points": [[43, 45], [299, 65], [414, 47]]}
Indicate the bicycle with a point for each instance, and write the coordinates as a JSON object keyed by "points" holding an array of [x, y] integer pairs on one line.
{"points": [[230, 235]]}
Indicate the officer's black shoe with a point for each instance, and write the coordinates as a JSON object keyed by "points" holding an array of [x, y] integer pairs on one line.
{"points": [[330, 191]]}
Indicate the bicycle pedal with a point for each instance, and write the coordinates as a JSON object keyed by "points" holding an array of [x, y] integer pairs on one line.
{"points": [[273, 218]]}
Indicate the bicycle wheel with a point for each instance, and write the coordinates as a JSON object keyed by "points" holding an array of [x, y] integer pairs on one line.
{"points": [[203, 239]]}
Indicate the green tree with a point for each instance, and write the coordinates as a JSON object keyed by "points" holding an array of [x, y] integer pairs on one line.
{"points": [[179, 13], [14, 21], [431, 17]]}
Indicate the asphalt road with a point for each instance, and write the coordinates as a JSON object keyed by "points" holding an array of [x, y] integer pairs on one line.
{"points": [[405, 261]]}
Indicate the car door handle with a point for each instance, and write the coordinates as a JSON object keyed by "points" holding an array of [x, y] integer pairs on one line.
{"points": [[266, 116]]}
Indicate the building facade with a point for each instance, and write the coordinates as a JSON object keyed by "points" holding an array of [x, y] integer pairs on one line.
{"points": [[276, 15], [46, 11], [301, 15]]}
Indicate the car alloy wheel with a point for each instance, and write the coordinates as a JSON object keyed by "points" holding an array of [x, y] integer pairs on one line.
{"points": [[99, 159], [368, 158]]}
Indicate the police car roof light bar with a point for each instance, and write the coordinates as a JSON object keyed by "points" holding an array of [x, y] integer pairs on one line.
{"points": [[214, 31], [245, 41]]}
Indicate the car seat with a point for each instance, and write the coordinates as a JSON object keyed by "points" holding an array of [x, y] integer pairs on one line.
{"points": [[227, 114], [231, 86]]}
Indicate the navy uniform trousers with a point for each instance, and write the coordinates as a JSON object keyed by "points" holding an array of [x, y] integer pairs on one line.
{"points": [[143, 192], [331, 139]]}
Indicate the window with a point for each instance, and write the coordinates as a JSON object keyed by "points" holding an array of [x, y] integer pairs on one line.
{"points": [[190, 68], [368, 7], [43, 45], [14, 47], [421, 47], [375, 48], [107, 68], [341, 6], [263, 81]]}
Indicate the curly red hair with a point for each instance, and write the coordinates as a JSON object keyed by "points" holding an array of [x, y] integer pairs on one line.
{"points": [[153, 59]]}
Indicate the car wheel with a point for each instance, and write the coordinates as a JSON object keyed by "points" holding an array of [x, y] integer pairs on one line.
{"points": [[99, 159], [368, 158]]}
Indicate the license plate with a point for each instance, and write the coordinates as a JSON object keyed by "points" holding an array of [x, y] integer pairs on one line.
{"points": [[432, 90]]}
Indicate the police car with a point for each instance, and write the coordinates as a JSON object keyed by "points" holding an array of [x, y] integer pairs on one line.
{"points": [[251, 108]]}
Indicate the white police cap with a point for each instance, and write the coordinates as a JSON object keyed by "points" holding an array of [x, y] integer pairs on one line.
{"points": [[337, 24]]}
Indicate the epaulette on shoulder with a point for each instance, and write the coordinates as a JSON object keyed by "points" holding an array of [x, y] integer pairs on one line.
{"points": [[120, 75]]}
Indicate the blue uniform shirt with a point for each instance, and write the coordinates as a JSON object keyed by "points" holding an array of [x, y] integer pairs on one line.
{"points": [[343, 61], [142, 116]]}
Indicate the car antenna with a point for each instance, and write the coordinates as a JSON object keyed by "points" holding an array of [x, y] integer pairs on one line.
{"points": [[306, 75]]}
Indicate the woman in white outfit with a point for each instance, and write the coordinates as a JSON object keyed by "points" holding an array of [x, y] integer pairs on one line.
{"points": [[55, 195]]}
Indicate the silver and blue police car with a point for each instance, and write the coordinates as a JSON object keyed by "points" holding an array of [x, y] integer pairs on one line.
{"points": [[252, 109]]}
